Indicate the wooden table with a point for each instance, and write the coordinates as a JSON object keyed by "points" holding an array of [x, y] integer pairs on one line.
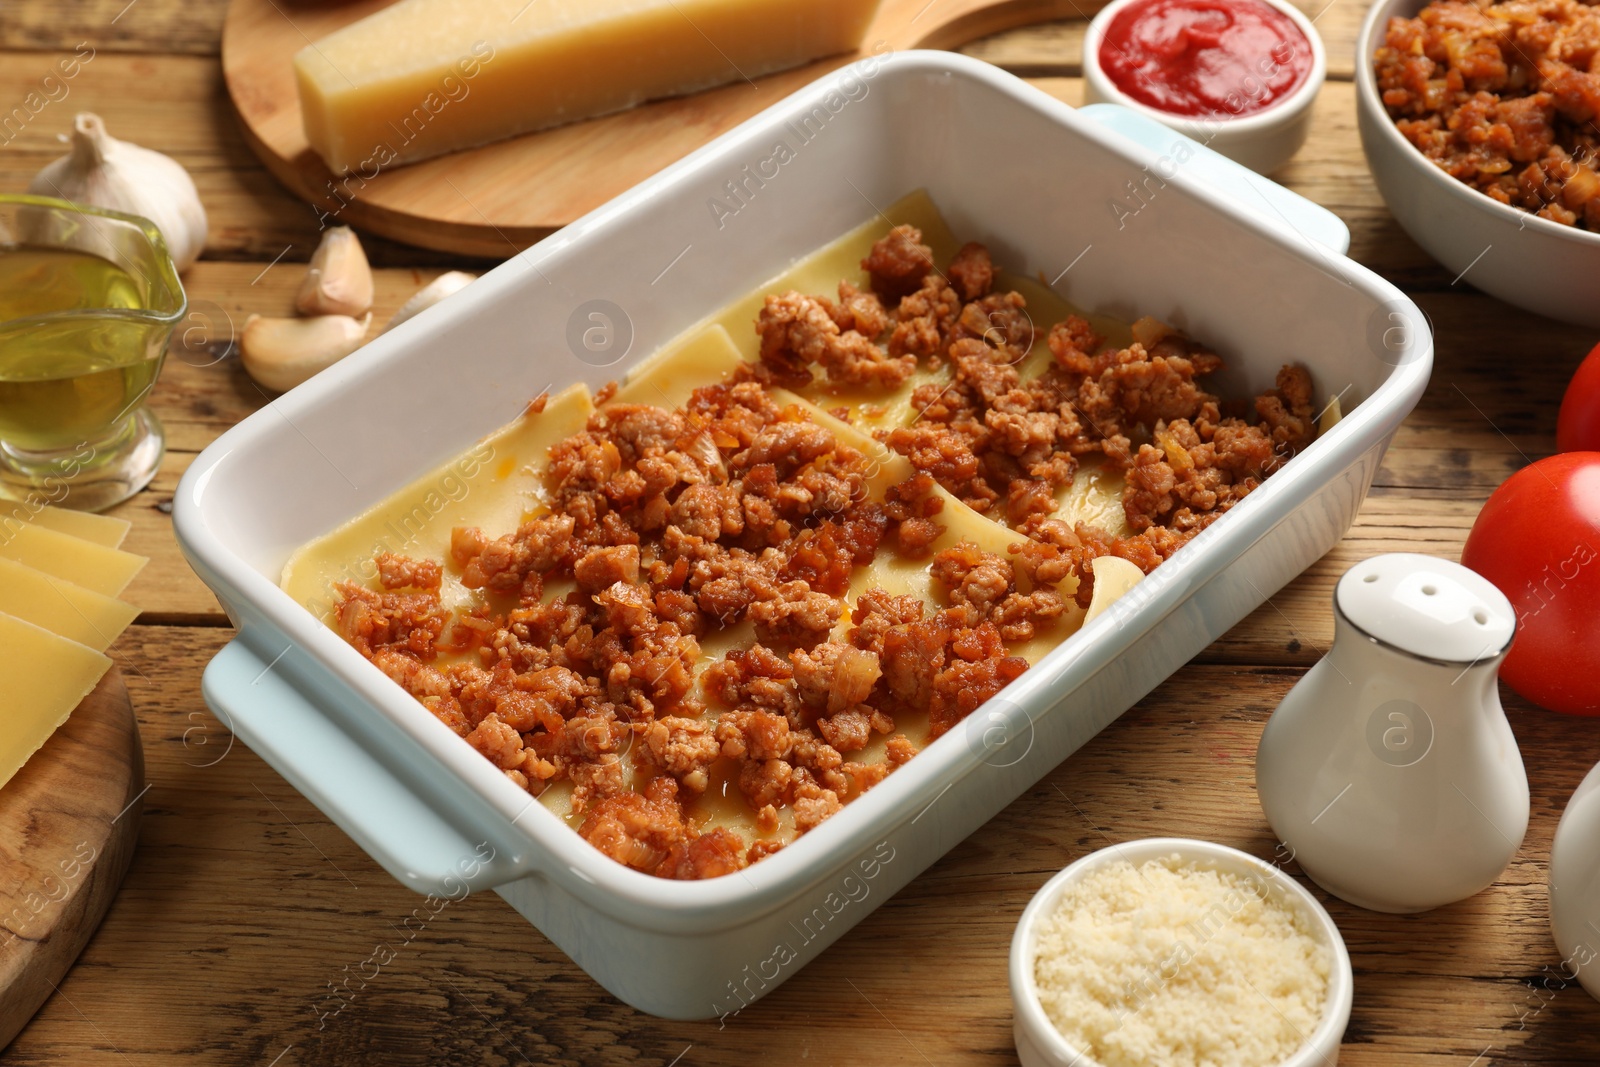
{"points": [[245, 906]]}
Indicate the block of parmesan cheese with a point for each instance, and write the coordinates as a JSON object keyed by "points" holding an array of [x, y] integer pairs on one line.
{"points": [[65, 609], [45, 678], [101, 529], [106, 571], [425, 77]]}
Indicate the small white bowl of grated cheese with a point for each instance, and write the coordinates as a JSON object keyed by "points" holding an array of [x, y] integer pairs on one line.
{"points": [[1171, 952]]}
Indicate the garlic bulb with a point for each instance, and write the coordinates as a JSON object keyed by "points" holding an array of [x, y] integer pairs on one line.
{"points": [[449, 282], [102, 171], [282, 353], [339, 280]]}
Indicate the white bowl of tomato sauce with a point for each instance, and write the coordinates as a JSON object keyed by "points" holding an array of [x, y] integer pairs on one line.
{"points": [[1239, 76]]}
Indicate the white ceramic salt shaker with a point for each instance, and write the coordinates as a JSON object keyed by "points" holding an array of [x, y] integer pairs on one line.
{"points": [[1389, 771], [1575, 886]]}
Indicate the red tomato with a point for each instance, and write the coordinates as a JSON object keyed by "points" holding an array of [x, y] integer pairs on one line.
{"points": [[1578, 425], [1538, 541]]}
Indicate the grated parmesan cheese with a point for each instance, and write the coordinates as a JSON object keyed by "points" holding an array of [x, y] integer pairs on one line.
{"points": [[1173, 965]]}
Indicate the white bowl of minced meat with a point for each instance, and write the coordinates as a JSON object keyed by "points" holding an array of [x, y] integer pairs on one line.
{"points": [[1478, 122]]}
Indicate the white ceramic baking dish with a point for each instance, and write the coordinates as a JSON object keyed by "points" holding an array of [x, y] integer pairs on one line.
{"points": [[1115, 226]]}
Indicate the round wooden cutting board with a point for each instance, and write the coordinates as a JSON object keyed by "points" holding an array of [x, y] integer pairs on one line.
{"points": [[499, 199], [68, 822]]}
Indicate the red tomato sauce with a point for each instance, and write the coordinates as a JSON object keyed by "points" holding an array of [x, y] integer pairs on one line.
{"points": [[1222, 58]]}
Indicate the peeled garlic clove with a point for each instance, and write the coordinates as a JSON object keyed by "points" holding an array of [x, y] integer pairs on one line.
{"points": [[102, 171], [339, 280], [1113, 576], [282, 353], [449, 282]]}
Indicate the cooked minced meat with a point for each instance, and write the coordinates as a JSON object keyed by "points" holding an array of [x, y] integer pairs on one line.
{"points": [[674, 524], [1504, 97]]}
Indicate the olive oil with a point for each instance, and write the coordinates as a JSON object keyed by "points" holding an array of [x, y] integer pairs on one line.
{"points": [[67, 380]]}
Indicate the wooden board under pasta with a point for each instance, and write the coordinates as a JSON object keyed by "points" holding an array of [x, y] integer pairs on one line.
{"points": [[69, 821]]}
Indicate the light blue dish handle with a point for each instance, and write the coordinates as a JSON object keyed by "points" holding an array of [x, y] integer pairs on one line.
{"points": [[1262, 197], [341, 776]]}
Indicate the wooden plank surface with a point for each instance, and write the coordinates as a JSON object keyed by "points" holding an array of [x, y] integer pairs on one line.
{"points": [[244, 903]]}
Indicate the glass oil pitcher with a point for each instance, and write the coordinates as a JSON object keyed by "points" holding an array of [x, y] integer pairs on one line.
{"points": [[88, 301]]}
